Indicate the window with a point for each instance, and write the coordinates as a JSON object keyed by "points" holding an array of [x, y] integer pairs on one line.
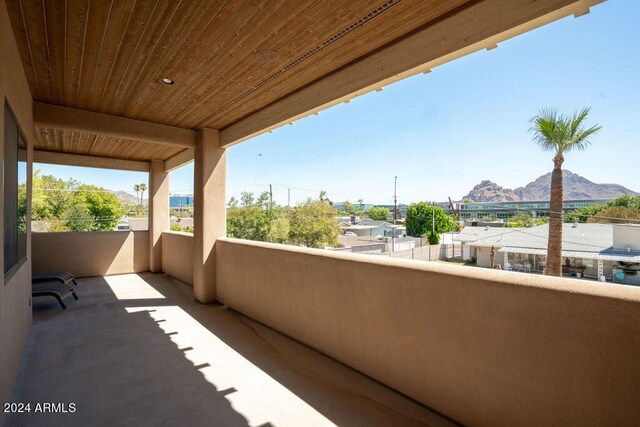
{"points": [[15, 193]]}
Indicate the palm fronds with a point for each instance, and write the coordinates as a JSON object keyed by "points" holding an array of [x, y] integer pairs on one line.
{"points": [[556, 132]]}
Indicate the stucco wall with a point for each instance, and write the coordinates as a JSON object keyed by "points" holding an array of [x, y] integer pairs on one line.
{"points": [[177, 255], [485, 347], [483, 257], [15, 292], [626, 236], [91, 253]]}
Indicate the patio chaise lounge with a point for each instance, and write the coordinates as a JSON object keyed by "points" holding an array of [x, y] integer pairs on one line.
{"points": [[53, 289], [62, 277], [56, 284]]}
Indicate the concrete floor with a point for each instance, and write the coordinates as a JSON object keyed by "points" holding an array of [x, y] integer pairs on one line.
{"points": [[138, 350]]}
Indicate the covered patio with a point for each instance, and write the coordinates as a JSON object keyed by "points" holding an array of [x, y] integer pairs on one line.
{"points": [[173, 328], [139, 349]]}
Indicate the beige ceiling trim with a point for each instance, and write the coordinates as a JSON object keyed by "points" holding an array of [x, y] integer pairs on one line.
{"points": [[71, 119], [480, 26], [56, 158], [181, 159]]}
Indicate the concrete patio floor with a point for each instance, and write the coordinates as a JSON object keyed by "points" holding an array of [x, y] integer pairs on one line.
{"points": [[138, 350]]}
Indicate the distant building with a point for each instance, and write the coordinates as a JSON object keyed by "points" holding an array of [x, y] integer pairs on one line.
{"points": [[181, 201], [364, 207], [506, 210]]}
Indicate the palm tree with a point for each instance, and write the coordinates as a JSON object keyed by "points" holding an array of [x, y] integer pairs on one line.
{"points": [[136, 188], [561, 134], [143, 188], [140, 189]]}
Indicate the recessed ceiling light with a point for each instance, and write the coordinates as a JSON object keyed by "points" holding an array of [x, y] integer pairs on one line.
{"points": [[167, 81], [267, 55]]}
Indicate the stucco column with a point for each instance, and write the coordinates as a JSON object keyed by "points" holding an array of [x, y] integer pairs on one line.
{"points": [[158, 212], [209, 211]]}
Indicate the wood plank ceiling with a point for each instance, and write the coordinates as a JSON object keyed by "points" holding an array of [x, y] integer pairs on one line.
{"points": [[109, 56]]}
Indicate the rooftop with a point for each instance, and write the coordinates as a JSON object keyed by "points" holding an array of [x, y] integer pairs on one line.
{"points": [[575, 237]]}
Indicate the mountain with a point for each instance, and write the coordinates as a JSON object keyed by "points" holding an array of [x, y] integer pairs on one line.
{"points": [[125, 197], [576, 187], [488, 191]]}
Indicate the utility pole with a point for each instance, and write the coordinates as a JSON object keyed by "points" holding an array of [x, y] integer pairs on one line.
{"points": [[395, 214], [270, 197], [288, 197], [395, 201], [433, 218]]}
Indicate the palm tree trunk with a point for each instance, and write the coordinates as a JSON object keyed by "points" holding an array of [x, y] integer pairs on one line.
{"points": [[554, 247]]}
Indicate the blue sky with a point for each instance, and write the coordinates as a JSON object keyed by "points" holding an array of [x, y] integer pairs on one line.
{"points": [[443, 132]]}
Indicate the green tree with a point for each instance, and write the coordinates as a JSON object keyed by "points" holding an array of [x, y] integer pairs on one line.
{"points": [[51, 196], [178, 227], [280, 227], [105, 207], [559, 134], [433, 238], [626, 201], [251, 219], [378, 213], [525, 220], [78, 218], [419, 219], [617, 215], [70, 205], [313, 224], [596, 210], [348, 207], [583, 214]]}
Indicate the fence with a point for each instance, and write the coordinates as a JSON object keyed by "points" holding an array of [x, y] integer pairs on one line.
{"points": [[452, 251]]}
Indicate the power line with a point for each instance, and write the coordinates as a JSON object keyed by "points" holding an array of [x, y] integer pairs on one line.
{"points": [[70, 190]]}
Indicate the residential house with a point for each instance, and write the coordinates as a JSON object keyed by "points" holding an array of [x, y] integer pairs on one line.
{"points": [[374, 228], [597, 251]]}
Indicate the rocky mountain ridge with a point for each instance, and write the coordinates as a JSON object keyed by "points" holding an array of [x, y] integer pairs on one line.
{"points": [[576, 187]]}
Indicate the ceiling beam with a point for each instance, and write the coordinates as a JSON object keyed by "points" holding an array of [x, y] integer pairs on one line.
{"points": [[56, 158], [480, 26], [182, 158], [71, 119]]}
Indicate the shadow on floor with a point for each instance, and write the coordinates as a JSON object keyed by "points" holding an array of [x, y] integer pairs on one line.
{"points": [[137, 349]]}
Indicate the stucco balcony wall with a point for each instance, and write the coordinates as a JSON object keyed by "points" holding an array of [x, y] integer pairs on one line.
{"points": [[88, 254], [177, 255], [484, 347]]}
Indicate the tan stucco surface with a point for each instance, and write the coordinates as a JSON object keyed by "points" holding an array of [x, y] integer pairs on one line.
{"points": [[177, 255], [209, 211], [15, 291], [139, 351], [483, 347], [91, 253], [158, 212]]}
